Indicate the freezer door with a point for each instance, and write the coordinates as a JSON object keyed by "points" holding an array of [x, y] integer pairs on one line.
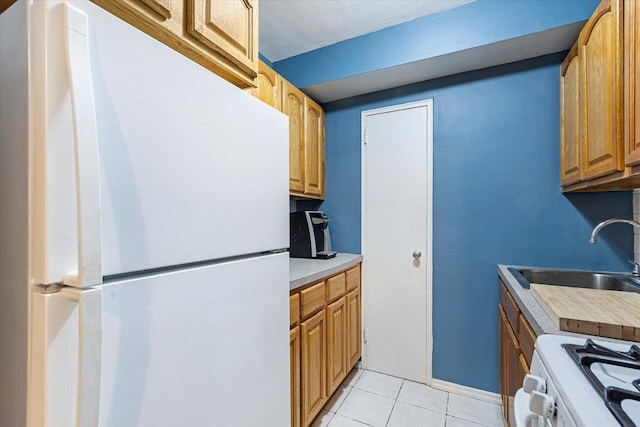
{"points": [[138, 146], [200, 347]]}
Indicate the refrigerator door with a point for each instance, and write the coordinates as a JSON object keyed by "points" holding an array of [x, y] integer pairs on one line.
{"points": [[200, 347], [187, 166]]}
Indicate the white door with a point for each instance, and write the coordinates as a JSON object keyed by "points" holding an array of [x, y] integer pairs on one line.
{"points": [[396, 239], [207, 346]]}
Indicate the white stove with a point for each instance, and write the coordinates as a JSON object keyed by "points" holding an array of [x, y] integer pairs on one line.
{"points": [[575, 382]]}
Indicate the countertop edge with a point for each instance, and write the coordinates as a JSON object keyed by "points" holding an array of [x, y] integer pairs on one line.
{"points": [[533, 311], [320, 269]]}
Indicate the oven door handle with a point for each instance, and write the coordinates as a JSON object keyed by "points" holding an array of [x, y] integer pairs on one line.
{"points": [[523, 417]]}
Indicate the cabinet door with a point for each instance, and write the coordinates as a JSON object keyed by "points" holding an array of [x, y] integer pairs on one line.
{"points": [[336, 344], [222, 32], [313, 366], [353, 328], [570, 125], [313, 149], [600, 45], [503, 367], [513, 381], [632, 81], [268, 88], [229, 27], [293, 107], [294, 360]]}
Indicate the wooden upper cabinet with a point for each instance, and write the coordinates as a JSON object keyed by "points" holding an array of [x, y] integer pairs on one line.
{"points": [[229, 27], [220, 35], [293, 107], [161, 7], [313, 149], [570, 124], [632, 81], [600, 51], [268, 86], [306, 132]]}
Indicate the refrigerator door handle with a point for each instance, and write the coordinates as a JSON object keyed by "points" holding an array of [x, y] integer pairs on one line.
{"points": [[89, 354], [76, 28]]}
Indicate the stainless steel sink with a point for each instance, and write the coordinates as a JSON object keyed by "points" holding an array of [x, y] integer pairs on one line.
{"points": [[578, 279]]}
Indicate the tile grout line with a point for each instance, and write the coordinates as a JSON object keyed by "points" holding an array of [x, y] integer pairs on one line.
{"points": [[394, 404], [446, 409]]}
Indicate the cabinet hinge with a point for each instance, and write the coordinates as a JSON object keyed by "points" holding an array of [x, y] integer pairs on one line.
{"points": [[364, 335]]}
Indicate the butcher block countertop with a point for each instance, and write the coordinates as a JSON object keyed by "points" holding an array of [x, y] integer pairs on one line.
{"points": [[536, 315], [613, 314], [303, 271]]}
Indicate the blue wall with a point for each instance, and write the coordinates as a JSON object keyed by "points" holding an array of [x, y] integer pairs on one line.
{"points": [[497, 200]]}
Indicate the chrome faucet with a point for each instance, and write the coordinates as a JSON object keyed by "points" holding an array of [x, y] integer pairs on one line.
{"points": [[596, 230]]}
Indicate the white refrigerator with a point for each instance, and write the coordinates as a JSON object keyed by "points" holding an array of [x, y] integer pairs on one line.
{"points": [[143, 223]]}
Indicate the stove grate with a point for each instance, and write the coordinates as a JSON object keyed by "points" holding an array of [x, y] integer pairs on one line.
{"points": [[589, 353]]}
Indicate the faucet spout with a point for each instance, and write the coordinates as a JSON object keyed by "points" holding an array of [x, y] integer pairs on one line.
{"points": [[603, 224]]}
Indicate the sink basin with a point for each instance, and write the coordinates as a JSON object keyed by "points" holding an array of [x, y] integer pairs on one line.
{"points": [[577, 279]]}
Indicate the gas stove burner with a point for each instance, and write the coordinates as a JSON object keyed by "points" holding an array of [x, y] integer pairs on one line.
{"points": [[620, 371]]}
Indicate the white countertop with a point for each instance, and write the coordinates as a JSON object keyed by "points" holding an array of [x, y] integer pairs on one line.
{"points": [[303, 271]]}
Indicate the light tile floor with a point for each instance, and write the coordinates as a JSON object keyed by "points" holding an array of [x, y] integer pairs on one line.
{"points": [[367, 398]]}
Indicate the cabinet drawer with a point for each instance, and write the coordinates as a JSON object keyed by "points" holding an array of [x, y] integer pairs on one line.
{"points": [[335, 287], [526, 338], [312, 299], [510, 307], [353, 278], [294, 309]]}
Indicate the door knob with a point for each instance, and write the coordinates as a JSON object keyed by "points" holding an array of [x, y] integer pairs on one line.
{"points": [[417, 254]]}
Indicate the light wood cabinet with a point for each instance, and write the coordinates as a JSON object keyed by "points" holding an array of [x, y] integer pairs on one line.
{"points": [[268, 86], [220, 35], [600, 145], [306, 132], [600, 50], [294, 360], [328, 343], [632, 81], [570, 126], [313, 366], [306, 143], [336, 344], [353, 327], [515, 350], [314, 150], [293, 107]]}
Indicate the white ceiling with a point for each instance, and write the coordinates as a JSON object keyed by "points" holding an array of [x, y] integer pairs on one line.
{"points": [[292, 27]]}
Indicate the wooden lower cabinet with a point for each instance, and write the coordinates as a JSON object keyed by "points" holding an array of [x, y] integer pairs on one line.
{"points": [[513, 381], [515, 350], [325, 331], [294, 360], [353, 328], [336, 344], [314, 366]]}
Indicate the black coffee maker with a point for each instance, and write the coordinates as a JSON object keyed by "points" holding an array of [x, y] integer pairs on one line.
{"points": [[309, 234]]}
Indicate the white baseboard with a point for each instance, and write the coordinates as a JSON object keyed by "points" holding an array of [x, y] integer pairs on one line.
{"points": [[462, 390]]}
